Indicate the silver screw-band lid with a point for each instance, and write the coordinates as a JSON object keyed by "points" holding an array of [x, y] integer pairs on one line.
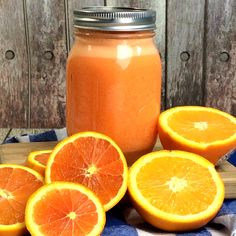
{"points": [[115, 19]]}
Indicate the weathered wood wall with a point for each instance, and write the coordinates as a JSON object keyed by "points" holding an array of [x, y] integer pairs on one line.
{"points": [[196, 39]]}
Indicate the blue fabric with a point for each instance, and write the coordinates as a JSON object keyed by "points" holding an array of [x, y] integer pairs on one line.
{"points": [[124, 221], [11, 140], [115, 226], [43, 137], [229, 207], [232, 158]]}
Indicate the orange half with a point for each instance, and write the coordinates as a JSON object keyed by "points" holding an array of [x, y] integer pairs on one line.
{"points": [[17, 183], [37, 160], [175, 190], [91, 159], [63, 208], [206, 131]]}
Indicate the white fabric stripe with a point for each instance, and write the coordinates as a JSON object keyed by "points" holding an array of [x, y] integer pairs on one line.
{"points": [[214, 232], [229, 221], [142, 228], [233, 233], [23, 139], [145, 233], [61, 133]]}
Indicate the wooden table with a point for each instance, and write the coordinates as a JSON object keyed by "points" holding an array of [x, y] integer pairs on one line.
{"points": [[17, 153]]}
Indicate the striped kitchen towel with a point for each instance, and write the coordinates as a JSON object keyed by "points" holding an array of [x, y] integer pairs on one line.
{"points": [[125, 221]]}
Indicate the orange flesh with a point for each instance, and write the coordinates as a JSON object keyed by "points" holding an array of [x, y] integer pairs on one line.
{"points": [[42, 158], [76, 162], [194, 196], [16, 185], [201, 126], [115, 93], [52, 213]]}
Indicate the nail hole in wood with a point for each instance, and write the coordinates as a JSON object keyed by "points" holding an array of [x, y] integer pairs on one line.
{"points": [[48, 55], [44, 75], [9, 54], [185, 56], [224, 56]]}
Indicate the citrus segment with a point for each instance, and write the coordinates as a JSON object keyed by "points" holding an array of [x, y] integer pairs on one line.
{"points": [[17, 183], [93, 160], [64, 208], [175, 190], [37, 160], [42, 158], [203, 130], [187, 122]]}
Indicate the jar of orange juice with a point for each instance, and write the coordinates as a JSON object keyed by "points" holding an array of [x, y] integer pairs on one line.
{"points": [[114, 77]]}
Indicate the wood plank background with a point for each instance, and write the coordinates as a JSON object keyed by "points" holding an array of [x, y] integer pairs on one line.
{"points": [[196, 39], [14, 66]]}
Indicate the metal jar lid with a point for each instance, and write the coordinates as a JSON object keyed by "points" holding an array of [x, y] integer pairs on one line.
{"points": [[115, 19]]}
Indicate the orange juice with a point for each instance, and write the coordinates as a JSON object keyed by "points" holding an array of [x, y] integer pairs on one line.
{"points": [[114, 86]]}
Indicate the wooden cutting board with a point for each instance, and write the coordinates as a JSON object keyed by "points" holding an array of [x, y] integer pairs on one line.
{"points": [[17, 153]]}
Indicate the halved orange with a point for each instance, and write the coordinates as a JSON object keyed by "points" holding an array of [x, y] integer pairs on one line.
{"points": [[64, 208], [175, 190], [206, 131], [37, 160], [91, 159], [17, 183]]}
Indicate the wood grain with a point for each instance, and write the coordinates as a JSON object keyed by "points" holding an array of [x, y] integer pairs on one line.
{"points": [[160, 38], [4, 134], [38, 28], [47, 41], [18, 152], [73, 5], [185, 29], [220, 91], [229, 179], [14, 70], [226, 167]]}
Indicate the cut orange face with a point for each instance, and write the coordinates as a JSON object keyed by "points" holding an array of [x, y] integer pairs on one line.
{"points": [[206, 131], [17, 183], [37, 160], [63, 208], [91, 159], [175, 190]]}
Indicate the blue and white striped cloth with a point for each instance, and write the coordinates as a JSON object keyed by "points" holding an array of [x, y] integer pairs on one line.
{"points": [[127, 222]]}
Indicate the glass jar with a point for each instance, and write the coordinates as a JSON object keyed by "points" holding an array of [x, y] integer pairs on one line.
{"points": [[114, 77]]}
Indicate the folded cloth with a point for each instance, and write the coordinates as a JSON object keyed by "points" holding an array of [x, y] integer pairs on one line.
{"points": [[125, 221]]}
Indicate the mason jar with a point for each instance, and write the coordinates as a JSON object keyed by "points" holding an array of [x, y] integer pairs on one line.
{"points": [[114, 77]]}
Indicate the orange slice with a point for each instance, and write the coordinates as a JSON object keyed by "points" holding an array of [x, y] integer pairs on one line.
{"points": [[203, 130], [64, 208], [175, 190], [91, 159], [17, 183], [37, 160]]}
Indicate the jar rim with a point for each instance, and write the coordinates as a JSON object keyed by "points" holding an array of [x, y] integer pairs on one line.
{"points": [[115, 18]]}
